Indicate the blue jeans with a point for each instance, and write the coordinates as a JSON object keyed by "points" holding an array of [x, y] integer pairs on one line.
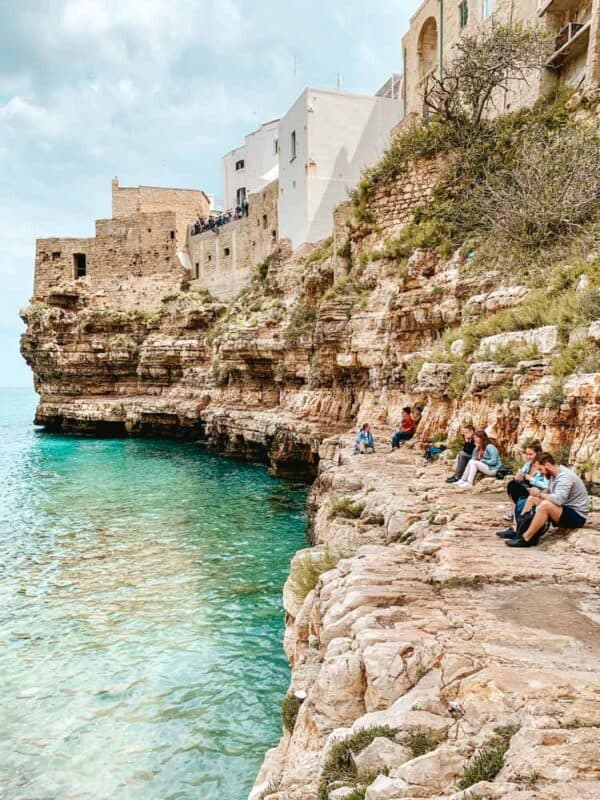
{"points": [[401, 436]]}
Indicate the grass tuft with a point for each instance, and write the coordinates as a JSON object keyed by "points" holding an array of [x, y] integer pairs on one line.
{"points": [[289, 711], [346, 508], [340, 769], [488, 762]]}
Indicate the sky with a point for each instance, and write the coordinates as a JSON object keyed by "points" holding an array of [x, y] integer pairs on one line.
{"points": [[154, 92]]}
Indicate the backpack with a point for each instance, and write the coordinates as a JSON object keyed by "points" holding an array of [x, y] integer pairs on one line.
{"points": [[503, 472]]}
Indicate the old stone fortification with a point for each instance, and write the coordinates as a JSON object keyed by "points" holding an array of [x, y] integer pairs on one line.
{"points": [[223, 260], [409, 617], [188, 204]]}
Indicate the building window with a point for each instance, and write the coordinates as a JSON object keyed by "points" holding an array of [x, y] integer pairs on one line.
{"points": [[239, 165], [209, 258], [293, 145], [172, 234], [463, 13], [240, 196], [488, 7], [226, 251], [197, 273], [79, 265], [275, 147], [56, 255], [265, 221]]}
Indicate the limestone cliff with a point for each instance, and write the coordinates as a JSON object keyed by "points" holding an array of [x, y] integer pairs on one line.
{"points": [[409, 617]]}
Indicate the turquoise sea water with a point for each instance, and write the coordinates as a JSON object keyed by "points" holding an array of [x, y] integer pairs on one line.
{"points": [[140, 615]]}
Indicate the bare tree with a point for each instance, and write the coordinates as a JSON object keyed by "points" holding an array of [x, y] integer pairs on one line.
{"points": [[480, 64]]}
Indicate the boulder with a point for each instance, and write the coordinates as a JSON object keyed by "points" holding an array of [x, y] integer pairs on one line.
{"points": [[382, 755]]}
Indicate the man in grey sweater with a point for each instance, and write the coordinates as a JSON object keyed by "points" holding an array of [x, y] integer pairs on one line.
{"points": [[566, 504]]}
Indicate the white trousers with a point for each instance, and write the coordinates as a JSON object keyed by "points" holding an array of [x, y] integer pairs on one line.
{"points": [[473, 467]]}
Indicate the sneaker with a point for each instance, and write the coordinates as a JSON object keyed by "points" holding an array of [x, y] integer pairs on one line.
{"points": [[507, 533], [508, 516], [453, 479], [462, 485]]}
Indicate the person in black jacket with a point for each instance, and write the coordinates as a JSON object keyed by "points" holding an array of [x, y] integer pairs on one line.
{"points": [[465, 454]]}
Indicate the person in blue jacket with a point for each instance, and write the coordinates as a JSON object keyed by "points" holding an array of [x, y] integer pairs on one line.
{"points": [[364, 440], [518, 488], [485, 459]]}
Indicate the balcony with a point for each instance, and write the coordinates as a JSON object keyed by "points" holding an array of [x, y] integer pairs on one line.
{"points": [[554, 6], [572, 40]]}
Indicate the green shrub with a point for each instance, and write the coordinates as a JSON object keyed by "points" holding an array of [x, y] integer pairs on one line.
{"points": [[474, 198], [506, 392], [555, 396], [310, 569], [488, 762], [340, 767], [457, 385], [579, 357], [509, 354], [411, 373], [346, 508], [301, 326], [418, 142], [420, 741], [289, 711], [343, 286], [323, 251]]}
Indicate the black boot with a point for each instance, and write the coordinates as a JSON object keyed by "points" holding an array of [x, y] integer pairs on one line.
{"points": [[507, 533], [521, 542], [453, 479]]}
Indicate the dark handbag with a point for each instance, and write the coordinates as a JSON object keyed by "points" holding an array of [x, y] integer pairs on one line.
{"points": [[503, 472], [525, 521]]}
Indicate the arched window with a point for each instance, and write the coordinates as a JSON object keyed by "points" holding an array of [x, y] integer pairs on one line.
{"points": [[428, 48]]}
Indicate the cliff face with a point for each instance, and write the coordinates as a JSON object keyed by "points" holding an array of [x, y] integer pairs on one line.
{"points": [[408, 616], [319, 341]]}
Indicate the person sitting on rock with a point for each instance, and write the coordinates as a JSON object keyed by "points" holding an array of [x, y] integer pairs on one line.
{"points": [[406, 429], [364, 440], [518, 488], [417, 414], [465, 454], [566, 504], [485, 459]]}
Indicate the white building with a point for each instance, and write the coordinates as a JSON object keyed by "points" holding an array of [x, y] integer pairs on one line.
{"points": [[249, 168], [326, 140]]}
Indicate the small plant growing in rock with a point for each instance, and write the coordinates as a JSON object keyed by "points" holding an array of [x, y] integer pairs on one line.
{"points": [[302, 325], [488, 762], [346, 508], [555, 396], [506, 392], [420, 741], [310, 569], [289, 711], [340, 769], [411, 373]]}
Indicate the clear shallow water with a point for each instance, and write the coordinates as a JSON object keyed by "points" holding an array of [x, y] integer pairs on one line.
{"points": [[140, 616]]}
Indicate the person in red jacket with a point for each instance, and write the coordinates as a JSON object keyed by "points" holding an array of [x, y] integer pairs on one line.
{"points": [[406, 429]]}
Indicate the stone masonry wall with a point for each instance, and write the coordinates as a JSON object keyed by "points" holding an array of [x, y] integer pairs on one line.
{"points": [[140, 245], [223, 260], [188, 204]]}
